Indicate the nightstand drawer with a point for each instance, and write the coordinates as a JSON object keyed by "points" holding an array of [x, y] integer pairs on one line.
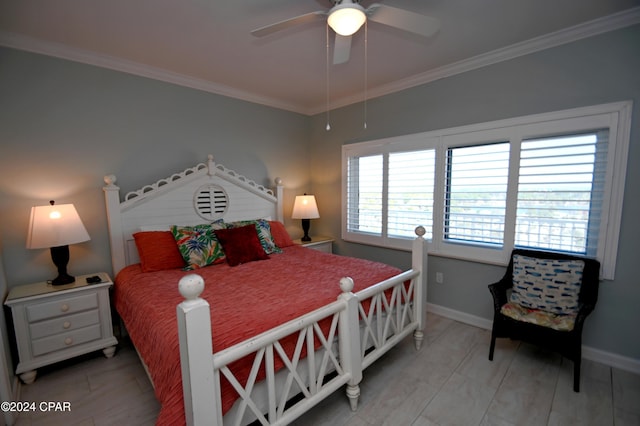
{"points": [[65, 340], [64, 324], [63, 306]]}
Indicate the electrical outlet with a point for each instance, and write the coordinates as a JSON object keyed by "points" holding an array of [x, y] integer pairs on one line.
{"points": [[439, 277]]}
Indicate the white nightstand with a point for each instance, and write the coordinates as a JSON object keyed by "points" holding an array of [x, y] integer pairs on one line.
{"points": [[324, 244], [55, 323]]}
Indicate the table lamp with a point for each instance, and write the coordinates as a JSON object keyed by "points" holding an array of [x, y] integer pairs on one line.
{"points": [[305, 208], [55, 227]]}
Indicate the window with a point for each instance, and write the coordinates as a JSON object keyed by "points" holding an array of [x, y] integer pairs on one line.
{"points": [[476, 198], [407, 200], [365, 195], [550, 181], [560, 192], [411, 176]]}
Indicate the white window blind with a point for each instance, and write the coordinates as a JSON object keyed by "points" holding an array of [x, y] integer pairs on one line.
{"points": [[411, 183], [364, 194], [560, 192], [476, 193]]}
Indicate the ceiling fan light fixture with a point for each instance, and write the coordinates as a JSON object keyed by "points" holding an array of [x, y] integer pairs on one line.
{"points": [[345, 19]]}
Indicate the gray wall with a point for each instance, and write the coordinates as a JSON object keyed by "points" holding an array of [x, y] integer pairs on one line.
{"points": [[598, 70], [64, 125]]}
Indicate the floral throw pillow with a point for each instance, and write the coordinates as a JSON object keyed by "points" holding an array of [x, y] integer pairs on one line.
{"points": [[198, 245], [264, 233]]}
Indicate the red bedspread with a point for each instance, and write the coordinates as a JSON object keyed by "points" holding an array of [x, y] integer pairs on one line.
{"points": [[245, 300]]}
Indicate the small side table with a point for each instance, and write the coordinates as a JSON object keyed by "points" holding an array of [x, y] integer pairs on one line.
{"points": [[55, 323], [324, 244]]}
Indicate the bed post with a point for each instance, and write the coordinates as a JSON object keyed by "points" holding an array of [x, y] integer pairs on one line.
{"points": [[112, 201], [419, 263], [280, 198], [201, 393], [349, 341]]}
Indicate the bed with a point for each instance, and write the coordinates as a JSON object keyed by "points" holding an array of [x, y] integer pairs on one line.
{"points": [[258, 337]]}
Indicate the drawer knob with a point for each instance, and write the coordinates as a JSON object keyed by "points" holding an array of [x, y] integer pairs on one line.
{"points": [[66, 324], [68, 341], [64, 307]]}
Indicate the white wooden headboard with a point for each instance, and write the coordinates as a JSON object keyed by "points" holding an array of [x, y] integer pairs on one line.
{"points": [[199, 194]]}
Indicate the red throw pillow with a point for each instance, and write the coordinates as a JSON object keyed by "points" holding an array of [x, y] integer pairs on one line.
{"points": [[280, 235], [241, 245], [158, 251]]}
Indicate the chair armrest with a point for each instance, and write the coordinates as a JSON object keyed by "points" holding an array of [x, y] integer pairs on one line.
{"points": [[583, 311], [499, 292]]}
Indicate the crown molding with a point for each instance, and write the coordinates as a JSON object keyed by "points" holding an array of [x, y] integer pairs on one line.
{"points": [[568, 35], [58, 50]]}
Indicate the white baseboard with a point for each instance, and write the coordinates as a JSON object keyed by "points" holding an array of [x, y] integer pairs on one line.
{"points": [[613, 360], [463, 317], [608, 358]]}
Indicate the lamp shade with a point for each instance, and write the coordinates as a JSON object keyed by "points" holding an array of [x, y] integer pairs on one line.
{"points": [[346, 18], [54, 226], [305, 207]]}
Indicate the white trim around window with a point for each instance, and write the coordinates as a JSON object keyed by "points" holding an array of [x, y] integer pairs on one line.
{"points": [[385, 224]]}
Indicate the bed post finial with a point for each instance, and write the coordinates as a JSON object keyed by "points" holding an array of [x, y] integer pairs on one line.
{"points": [[211, 165], [110, 180], [191, 286], [346, 284]]}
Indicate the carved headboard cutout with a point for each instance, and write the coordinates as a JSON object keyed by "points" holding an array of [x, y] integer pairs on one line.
{"points": [[211, 201]]}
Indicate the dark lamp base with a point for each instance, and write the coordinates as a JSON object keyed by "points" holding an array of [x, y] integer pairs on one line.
{"points": [[62, 280], [306, 224], [60, 257]]}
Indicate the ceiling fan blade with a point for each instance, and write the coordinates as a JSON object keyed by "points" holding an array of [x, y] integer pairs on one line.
{"points": [[403, 19], [341, 49], [288, 23]]}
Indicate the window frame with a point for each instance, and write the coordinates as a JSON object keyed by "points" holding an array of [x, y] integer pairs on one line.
{"points": [[616, 117]]}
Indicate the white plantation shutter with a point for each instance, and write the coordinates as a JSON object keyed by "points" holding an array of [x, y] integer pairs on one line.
{"points": [[364, 194], [560, 192], [476, 196], [411, 183]]}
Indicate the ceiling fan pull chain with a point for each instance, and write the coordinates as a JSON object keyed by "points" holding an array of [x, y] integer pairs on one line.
{"points": [[366, 69], [327, 75]]}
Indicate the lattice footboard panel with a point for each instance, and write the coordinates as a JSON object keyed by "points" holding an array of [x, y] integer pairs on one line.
{"points": [[303, 372], [387, 315]]}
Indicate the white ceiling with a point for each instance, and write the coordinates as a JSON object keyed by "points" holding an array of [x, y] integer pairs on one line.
{"points": [[206, 44]]}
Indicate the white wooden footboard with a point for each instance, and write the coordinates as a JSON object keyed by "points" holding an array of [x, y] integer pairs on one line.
{"points": [[389, 310], [201, 370]]}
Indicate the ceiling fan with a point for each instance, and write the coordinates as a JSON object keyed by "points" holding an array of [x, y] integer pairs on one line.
{"points": [[347, 16]]}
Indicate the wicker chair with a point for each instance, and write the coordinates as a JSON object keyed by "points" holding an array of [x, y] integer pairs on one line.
{"points": [[567, 343]]}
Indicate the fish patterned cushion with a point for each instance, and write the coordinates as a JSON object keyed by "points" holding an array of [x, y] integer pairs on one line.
{"points": [[550, 285]]}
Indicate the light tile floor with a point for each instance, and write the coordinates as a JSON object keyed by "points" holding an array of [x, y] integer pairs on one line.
{"points": [[449, 381]]}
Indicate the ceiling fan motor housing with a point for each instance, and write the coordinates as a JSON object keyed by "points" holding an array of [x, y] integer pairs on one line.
{"points": [[346, 17]]}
